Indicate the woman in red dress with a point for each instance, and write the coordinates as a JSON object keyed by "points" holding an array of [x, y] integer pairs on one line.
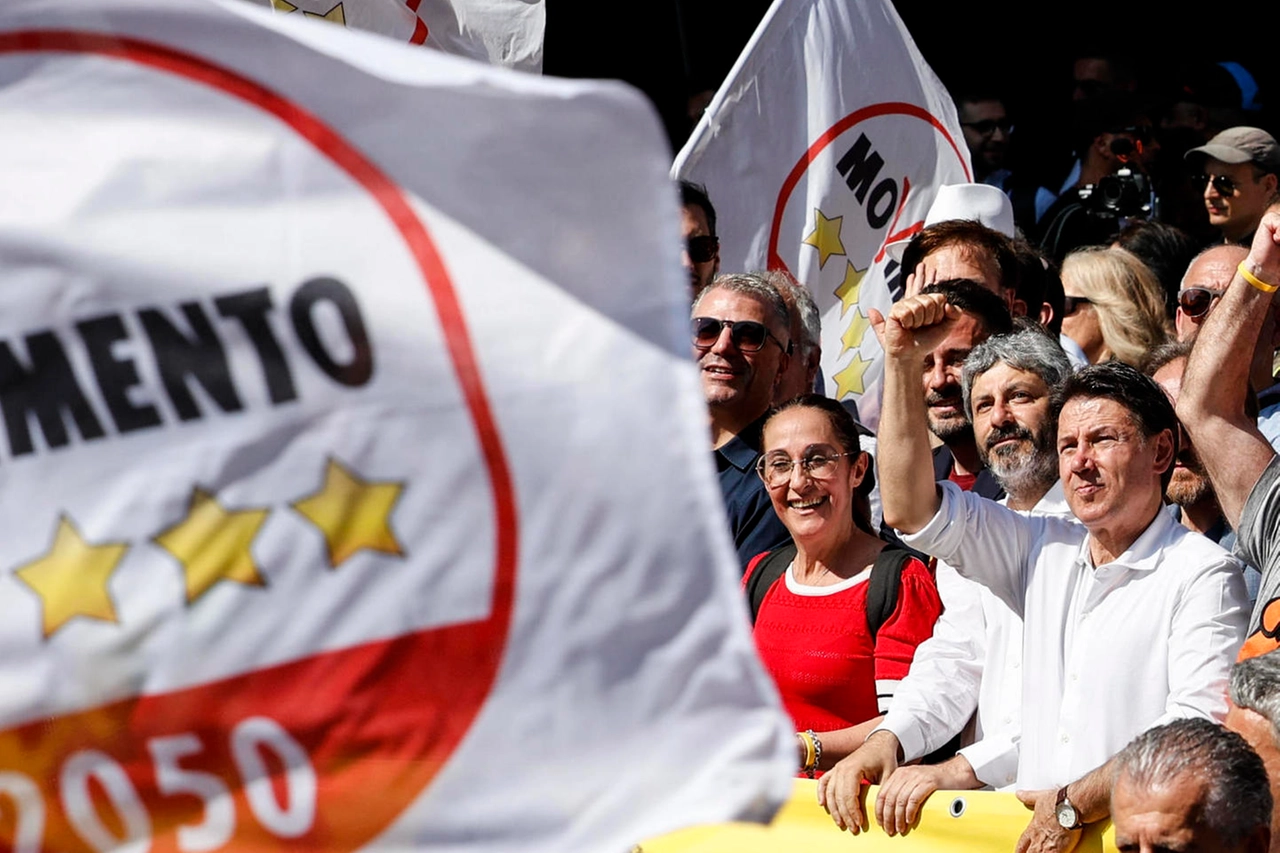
{"points": [[812, 630]]}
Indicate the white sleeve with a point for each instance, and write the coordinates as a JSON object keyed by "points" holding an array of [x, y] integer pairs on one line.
{"points": [[940, 692], [994, 759], [983, 540], [1208, 627]]}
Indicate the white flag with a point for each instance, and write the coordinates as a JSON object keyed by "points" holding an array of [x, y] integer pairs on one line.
{"points": [[828, 140], [501, 32], [356, 483]]}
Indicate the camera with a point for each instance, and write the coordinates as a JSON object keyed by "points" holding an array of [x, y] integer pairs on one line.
{"points": [[1126, 194]]}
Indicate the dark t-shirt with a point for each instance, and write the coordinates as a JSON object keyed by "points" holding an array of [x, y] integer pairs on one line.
{"points": [[752, 522]]}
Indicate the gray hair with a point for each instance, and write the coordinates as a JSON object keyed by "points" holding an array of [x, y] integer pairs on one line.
{"points": [[1255, 686], [806, 309], [758, 286], [1032, 349], [1236, 797]]}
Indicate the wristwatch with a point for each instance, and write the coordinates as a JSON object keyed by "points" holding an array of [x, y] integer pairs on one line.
{"points": [[1068, 817]]}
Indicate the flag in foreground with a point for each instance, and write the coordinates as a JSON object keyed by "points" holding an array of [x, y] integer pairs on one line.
{"points": [[828, 140], [336, 511]]}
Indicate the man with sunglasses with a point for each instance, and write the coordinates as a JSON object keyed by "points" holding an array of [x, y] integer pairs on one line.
{"points": [[742, 344], [1205, 281], [1238, 171], [701, 255]]}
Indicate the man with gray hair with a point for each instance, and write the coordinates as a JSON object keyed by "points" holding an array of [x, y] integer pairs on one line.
{"points": [[806, 330], [1190, 785], [1254, 714], [742, 343], [972, 662]]}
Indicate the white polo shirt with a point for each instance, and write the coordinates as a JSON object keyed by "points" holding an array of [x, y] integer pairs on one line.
{"points": [[973, 659], [1108, 652]]}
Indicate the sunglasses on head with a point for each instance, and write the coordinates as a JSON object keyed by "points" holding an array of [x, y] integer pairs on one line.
{"points": [[747, 335], [1071, 303], [1196, 301], [701, 249], [1221, 183]]}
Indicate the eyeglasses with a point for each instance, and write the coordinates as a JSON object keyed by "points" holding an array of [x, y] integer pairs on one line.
{"points": [[701, 249], [988, 126], [776, 470], [747, 335], [1221, 183], [1196, 301], [1070, 304]]}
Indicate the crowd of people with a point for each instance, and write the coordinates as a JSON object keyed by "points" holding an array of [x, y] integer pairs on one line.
{"points": [[1054, 567]]}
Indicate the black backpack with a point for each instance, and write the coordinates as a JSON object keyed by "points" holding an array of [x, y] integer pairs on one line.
{"points": [[882, 592]]}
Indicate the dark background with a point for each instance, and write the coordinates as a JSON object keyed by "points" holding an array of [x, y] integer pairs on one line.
{"points": [[672, 49]]}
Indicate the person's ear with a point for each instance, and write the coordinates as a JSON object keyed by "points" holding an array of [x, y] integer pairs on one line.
{"points": [[1046, 314], [1270, 181], [858, 471], [1164, 451]]}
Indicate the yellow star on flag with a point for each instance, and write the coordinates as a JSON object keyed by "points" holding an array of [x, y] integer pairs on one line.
{"points": [[825, 237], [852, 337], [352, 514], [336, 14], [212, 544], [848, 289], [849, 379], [71, 578]]}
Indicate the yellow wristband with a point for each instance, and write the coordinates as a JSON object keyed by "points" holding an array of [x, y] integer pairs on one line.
{"points": [[808, 749], [1255, 281]]}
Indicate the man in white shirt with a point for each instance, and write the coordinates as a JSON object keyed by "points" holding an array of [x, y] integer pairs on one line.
{"points": [[1120, 634], [974, 658]]}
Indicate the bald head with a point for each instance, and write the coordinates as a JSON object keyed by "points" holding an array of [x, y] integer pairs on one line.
{"points": [[1211, 270]]}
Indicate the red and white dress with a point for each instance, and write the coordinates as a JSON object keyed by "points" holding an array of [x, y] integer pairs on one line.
{"points": [[815, 642]]}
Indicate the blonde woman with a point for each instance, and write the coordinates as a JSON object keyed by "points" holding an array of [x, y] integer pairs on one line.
{"points": [[1114, 307]]}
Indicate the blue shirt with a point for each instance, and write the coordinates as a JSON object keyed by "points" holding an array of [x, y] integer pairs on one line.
{"points": [[752, 522]]}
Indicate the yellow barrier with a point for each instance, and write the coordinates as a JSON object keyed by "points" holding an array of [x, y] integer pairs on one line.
{"points": [[959, 821]]}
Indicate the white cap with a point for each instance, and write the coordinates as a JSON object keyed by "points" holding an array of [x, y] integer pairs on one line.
{"points": [[982, 203]]}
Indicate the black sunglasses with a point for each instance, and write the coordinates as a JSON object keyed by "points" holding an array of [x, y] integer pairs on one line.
{"points": [[988, 126], [1196, 301], [1071, 303], [747, 335], [701, 249], [1221, 183]]}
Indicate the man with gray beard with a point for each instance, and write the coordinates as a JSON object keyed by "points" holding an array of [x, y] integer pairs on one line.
{"points": [[966, 679]]}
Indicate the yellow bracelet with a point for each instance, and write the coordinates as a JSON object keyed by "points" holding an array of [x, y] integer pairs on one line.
{"points": [[1255, 281], [809, 750]]}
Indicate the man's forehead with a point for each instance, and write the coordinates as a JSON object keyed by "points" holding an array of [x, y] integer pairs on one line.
{"points": [[694, 220], [965, 260], [1004, 375], [966, 334], [984, 107], [728, 304], [1097, 411], [1215, 268]]}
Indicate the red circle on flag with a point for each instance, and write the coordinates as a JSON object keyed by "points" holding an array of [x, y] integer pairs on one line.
{"points": [[775, 261]]}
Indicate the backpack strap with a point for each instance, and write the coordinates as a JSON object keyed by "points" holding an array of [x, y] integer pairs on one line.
{"points": [[882, 588], [766, 572]]}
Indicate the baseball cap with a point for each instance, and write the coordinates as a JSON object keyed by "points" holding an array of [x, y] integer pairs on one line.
{"points": [[1242, 145]]}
